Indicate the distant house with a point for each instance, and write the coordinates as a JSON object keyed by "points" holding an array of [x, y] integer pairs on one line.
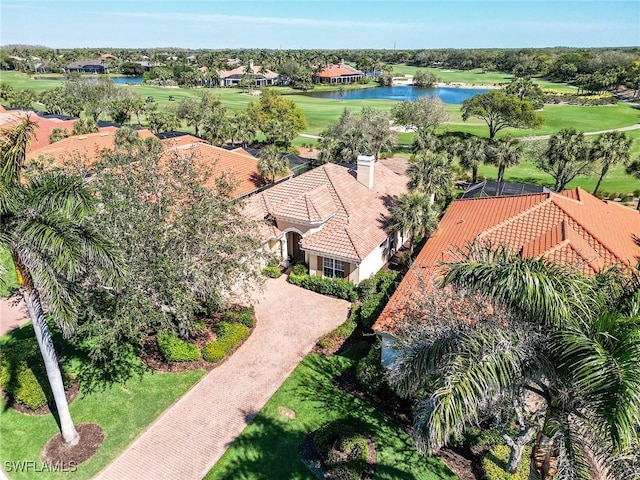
{"points": [[332, 218], [260, 76], [571, 228], [145, 64], [338, 74], [87, 66]]}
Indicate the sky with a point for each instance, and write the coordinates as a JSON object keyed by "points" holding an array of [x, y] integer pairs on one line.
{"points": [[320, 24]]}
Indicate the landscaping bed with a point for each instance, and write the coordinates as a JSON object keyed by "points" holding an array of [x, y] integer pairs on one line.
{"points": [[219, 336]]}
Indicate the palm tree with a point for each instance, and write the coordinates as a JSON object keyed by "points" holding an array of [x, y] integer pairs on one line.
{"points": [[634, 169], [565, 339], [472, 154], [430, 174], [610, 149], [271, 163], [412, 215], [503, 153], [44, 226]]}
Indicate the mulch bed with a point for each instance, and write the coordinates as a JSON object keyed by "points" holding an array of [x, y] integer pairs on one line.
{"points": [[152, 357], [466, 463], [311, 458], [71, 394], [63, 457]]}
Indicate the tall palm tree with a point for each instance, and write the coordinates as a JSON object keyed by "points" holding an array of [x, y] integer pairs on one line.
{"points": [[472, 154], [610, 149], [430, 174], [503, 153], [412, 215], [271, 163], [44, 224], [564, 340], [634, 169]]}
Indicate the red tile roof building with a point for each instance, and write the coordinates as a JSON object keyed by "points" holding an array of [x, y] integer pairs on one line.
{"points": [[11, 118], [571, 228], [332, 217], [340, 73]]}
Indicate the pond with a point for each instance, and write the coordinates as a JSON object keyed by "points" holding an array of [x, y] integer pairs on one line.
{"points": [[400, 93], [127, 80]]}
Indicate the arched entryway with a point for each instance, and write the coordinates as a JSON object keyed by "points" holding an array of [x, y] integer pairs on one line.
{"points": [[293, 247]]}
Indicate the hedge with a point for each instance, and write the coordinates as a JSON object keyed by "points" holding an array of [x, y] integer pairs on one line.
{"points": [[174, 349], [335, 287], [375, 293], [244, 316], [271, 271], [494, 464], [230, 335], [369, 372], [22, 373]]}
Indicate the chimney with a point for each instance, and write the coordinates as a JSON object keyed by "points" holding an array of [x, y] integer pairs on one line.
{"points": [[365, 169], [251, 65]]}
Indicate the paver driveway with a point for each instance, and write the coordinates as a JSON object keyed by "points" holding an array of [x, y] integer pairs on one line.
{"points": [[189, 438]]}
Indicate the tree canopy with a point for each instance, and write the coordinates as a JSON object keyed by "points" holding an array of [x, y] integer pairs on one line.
{"points": [[500, 110]]}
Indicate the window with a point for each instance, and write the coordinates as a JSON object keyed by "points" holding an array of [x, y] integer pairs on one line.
{"points": [[332, 268]]}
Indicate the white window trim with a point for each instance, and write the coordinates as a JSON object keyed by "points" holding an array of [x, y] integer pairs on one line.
{"points": [[333, 265]]}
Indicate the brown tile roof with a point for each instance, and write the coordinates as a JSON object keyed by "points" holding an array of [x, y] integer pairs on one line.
{"points": [[10, 118], [356, 225], [331, 71], [88, 147], [242, 166], [181, 140], [572, 228]]}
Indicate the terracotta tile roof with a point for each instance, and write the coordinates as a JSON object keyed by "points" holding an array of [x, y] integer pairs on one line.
{"points": [[242, 166], [181, 140], [10, 118], [338, 70], [572, 228], [357, 226], [88, 147], [243, 70]]}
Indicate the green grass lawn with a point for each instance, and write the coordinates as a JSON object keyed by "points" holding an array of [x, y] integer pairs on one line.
{"points": [[8, 277], [268, 448], [477, 77], [123, 412]]}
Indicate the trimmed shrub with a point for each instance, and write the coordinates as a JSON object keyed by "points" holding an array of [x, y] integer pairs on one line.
{"points": [[230, 335], [244, 316], [375, 293], [22, 373], [334, 287], [300, 269], [342, 449], [369, 372], [494, 464], [271, 271], [174, 349]]}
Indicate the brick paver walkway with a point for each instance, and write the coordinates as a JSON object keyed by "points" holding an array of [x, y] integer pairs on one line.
{"points": [[189, 438]]}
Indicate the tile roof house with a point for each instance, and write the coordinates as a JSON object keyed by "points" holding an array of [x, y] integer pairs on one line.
{"points": [[332, 217], [262, 77], [88, 66], [89, 147], [340, 73], [572, 228], [240, 164], [46, 124]]}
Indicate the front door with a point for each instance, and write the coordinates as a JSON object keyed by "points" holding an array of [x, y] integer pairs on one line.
{"points": [[293, 247]]}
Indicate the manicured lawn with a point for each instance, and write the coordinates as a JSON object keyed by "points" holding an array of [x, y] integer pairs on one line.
{"points": [[123, 412], [8, 277], [268, 448], [477, 77]]}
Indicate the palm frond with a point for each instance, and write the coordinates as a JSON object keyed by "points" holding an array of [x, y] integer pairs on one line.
{"points": [[60, 192]]}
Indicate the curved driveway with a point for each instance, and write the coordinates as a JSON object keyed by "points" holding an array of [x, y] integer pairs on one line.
{"points": [[189, 438]]}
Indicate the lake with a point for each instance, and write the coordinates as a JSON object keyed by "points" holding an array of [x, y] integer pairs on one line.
{"points": [[127, 80], [400, 93]]}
